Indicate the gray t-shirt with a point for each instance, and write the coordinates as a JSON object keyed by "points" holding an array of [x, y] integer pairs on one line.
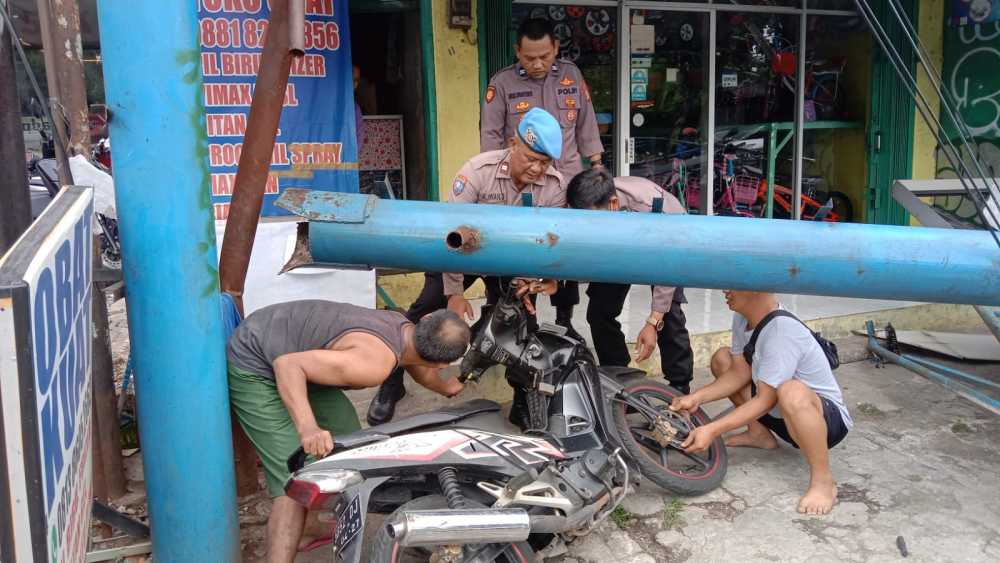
{"points": [[298, 326], [787, 350]]}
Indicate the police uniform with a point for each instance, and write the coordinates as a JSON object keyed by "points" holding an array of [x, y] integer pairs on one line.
{"points": [[607, 299], [485, 178], [563, 93]]}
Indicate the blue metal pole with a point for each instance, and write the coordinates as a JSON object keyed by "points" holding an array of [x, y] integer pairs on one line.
{"points": [[874, 261], [154, 92], [973, 395]]}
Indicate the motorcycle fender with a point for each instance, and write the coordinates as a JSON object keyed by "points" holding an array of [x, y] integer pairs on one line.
{"points": [[352, 553]]}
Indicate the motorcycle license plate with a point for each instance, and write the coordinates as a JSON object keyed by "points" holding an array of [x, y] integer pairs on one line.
{"points": [[349, 524]]}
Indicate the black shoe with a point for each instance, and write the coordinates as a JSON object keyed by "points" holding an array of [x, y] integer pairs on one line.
{"points": [[567, 323], [519, 415], [684, 389], [383, 406]]}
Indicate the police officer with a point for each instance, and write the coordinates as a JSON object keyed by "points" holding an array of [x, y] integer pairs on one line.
{"points": [[596, 189], [539, 80], [498, 177]]}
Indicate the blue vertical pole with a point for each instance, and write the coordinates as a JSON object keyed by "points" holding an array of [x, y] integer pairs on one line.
{"points": [[154, 93]]}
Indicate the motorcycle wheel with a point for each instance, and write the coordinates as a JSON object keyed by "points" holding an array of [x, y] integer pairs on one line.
{"points": [[386, 550], [669, 467]]}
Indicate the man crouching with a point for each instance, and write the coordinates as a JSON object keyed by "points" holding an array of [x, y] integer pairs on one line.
{"points": [[288, 366], [783, 384]]}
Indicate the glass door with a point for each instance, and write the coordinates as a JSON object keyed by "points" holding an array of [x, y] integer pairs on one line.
{"points": [[666, 118]]}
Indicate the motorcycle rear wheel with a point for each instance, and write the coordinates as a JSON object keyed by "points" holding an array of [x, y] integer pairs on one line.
{"points": [[669, 467], [386, 550]]}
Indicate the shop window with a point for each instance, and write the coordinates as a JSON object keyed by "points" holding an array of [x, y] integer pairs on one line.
{"points": [[668, 104], [755, 90], [838, 70], [587, 36], [772, 3]]}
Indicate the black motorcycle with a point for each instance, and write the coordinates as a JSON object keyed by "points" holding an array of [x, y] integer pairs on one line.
{"points": [[462, 485]]}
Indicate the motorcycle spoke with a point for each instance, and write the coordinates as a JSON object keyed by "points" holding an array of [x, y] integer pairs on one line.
{"points": [[700, 461]]}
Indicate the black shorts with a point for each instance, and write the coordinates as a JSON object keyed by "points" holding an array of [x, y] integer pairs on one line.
{"points": [[836, 430]]}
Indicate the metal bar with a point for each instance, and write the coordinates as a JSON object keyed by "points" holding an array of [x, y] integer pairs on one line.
{"points": [[930, 218], [106, 425], [947, 101], [119, 521], [772, 157], [255, 158], [154, 89], [964, 391], [65, 27], [926, 110], [118, 553], [783, 143], [951, 371], [677, 250], [296, 28], [623, 121], [800, 100], [430, 97], [389, 303], [708, 178], [49, 49], [15, 213]]}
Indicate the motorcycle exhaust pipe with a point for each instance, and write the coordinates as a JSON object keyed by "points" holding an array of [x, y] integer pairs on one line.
{"points": [[456, 527]]}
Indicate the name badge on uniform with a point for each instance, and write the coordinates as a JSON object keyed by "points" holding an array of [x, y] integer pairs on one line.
{"points": [[459, 185]]}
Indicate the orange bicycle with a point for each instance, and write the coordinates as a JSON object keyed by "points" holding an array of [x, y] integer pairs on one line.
{"points": [[836, 209]]}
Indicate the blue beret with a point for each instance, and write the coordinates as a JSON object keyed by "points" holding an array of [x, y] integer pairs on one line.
{"points": [[541, 132]]}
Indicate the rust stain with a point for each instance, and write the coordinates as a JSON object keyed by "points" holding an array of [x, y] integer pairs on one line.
{"points": [[464, 239], [861, 270], [794, 271], [553, 239]]}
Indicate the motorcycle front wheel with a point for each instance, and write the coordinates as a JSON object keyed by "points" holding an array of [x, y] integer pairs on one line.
{"points": [[386, 550], [668, 466]]}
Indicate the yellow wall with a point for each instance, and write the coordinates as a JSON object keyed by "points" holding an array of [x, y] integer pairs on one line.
{"points": [[931, 30], [456, 70]]}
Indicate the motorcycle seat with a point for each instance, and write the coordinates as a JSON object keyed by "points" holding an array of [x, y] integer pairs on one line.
{"points": [[435, 418]]}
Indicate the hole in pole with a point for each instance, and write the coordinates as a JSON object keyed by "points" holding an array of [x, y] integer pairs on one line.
{"points": [[454, 240]]}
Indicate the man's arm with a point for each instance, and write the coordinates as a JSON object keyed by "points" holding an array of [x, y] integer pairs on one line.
{"points": [[355, 368], [494, 118], [588, 137], [728, 383], [701, 438], [431, 379]]}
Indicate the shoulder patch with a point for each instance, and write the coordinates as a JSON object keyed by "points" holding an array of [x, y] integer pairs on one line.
{"points": [[491, 93], [459, 184]]}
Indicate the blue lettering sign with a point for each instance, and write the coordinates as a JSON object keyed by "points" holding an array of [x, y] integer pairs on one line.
{"points": [[46, 348]]}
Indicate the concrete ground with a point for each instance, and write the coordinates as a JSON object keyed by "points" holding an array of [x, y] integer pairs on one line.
{"points": [[919, 469]]}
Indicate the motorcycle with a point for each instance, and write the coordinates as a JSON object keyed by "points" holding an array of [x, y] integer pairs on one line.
{"points": [[460, 485]]}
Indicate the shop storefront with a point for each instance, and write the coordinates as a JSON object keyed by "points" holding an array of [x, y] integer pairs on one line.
{"points": [[713, 100]]}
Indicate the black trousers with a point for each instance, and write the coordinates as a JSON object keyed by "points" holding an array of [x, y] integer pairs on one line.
{"points": [[432, 298], [676, 356]]}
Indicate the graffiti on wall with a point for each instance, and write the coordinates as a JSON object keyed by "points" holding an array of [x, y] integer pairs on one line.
{"points": [[969, 71]]}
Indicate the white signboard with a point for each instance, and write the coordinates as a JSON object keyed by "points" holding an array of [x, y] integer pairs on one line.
{"points": [[45, 391]]}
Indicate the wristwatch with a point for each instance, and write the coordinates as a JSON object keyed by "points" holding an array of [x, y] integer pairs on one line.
{"points": [[657, 324]]}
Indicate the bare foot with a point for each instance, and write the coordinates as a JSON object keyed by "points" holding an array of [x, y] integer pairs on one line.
{"points": [[753, 438], [819, 498]]}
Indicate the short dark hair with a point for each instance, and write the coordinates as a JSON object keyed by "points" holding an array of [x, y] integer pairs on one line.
{"points": [[589, 189], [441, 337], [535, 29]]}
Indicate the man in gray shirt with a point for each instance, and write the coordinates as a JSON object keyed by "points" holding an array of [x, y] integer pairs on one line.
{"points": [[288, 364], [788, 389]]}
